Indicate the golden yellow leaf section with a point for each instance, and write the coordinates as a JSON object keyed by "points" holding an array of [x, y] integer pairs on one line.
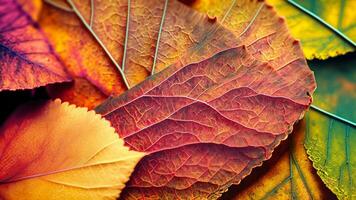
{"points": [[57, 151], [317, 40]]}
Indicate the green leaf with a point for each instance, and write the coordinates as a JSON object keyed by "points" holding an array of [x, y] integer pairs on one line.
{"points": [[287, 175], [330, 140], [325, 28], [342, 27]]}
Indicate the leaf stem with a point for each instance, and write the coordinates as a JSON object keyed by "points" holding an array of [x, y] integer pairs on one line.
{"points": [[91, 12], [159, 37], [342, 35], [76, 11], [56, 5], [353, 124], [126, 35]]}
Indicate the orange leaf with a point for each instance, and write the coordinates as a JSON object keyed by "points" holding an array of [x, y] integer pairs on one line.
{"points": [[206, 125], [83, 58], [32, 7], [184, 31], [79, 92], [51, 150], [26, 59]]}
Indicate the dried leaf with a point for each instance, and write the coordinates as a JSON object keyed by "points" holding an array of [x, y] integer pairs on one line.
{"points": [[257, 26], [26, 59], [206, 125], [330, 141], [57, 151], [317, 39], [77, 48], [184, 31], [290, 175]]}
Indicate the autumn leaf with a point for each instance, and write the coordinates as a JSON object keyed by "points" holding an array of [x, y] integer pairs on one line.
{"points": [[206, 125], [235, 10], [31, 7], [26, 59], [289, 174], [153, 36], [330, 138], [51, 150], [257, 26], [326, 29], [60, 4], [318, 40]]}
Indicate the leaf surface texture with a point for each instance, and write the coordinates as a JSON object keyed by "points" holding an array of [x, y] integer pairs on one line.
{"points": [[51, 150], [206, 125], [184, 31], [330, 142], [317, 39], [26, 59], [289, 174]]}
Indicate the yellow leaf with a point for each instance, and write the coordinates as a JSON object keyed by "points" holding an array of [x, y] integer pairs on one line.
{"points": [[57, 151], [317, 40], [257, 26]]}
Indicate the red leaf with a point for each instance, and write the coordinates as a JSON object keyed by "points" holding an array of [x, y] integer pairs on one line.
{"points": [[26, 59], [206, 125]]}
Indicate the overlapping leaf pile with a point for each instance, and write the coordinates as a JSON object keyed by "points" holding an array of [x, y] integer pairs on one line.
{"points": [[204, 92], [325, 31], [187, 120], [233, 100]]}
